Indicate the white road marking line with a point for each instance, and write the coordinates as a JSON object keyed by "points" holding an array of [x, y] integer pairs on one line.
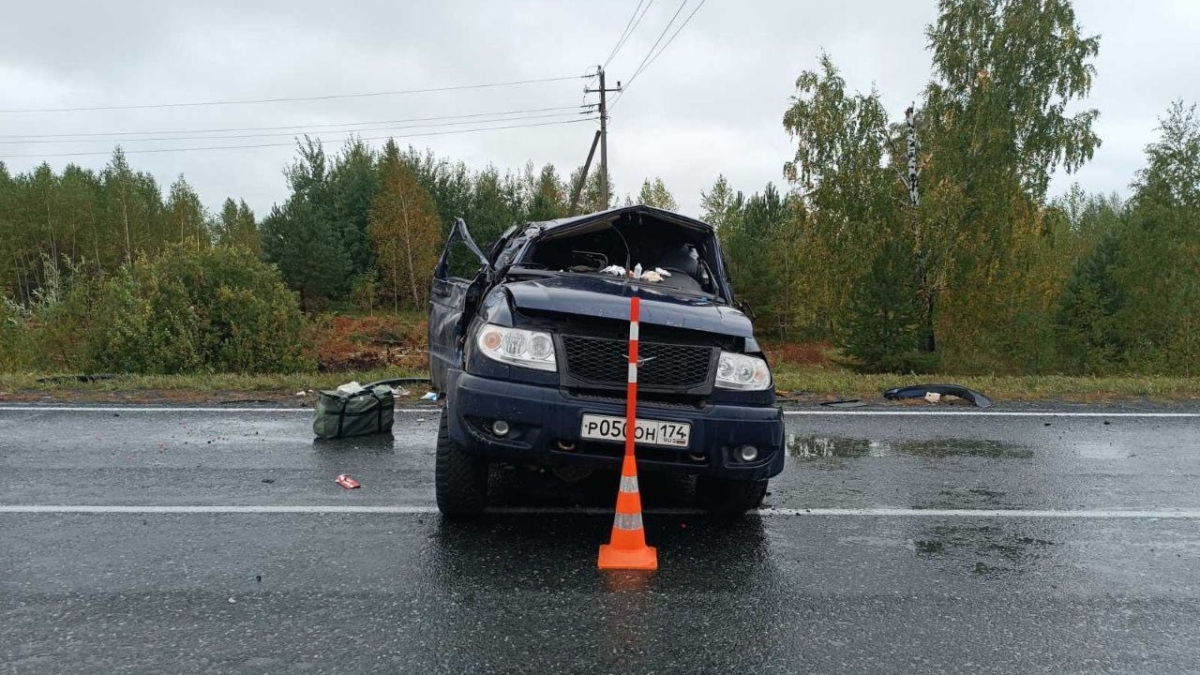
{"points": [[1091, 514], [1086, 514], [165, 409], [989, 413], [814, 413]]}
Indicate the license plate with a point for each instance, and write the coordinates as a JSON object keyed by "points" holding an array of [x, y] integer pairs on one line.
{"points": [[649, 432]]}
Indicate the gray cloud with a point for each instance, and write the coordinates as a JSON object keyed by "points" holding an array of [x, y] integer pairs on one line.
{"points": [[711, 104]]}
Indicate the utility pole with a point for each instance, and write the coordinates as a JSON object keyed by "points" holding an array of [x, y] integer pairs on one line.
{"points": [[583, 176], [603, 91]]}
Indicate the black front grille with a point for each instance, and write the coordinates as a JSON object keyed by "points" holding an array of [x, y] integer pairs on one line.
{"points": [[664, 367]]}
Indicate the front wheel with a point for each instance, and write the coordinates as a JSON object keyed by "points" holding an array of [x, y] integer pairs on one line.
{"points": [[460, 477], [726, 496]]}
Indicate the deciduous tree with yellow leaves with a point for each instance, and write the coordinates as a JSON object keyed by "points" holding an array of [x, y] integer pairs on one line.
{"points": [[404, 231]]}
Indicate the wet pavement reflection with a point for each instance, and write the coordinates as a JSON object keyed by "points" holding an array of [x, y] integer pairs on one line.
{"points": [[825, 447], [520, 592]]}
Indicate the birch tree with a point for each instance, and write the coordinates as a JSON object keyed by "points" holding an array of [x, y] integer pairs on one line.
{"points": [[404, 231]]}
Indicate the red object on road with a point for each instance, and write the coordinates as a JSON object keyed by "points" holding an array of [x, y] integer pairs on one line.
{"points": [[346, 481]]}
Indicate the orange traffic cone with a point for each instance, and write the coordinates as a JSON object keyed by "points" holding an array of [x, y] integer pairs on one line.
{"points": [[628, 550]]}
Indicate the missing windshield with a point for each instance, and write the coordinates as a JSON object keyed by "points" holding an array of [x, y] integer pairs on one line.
{"points": [[642, 250]]}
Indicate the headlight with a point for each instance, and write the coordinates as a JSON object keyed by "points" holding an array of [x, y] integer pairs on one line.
{"points": [[525, 348], [738, 371]]}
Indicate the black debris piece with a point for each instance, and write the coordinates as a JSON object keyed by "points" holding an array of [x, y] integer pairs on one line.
{"points": [[845, 403], [919, 391]]}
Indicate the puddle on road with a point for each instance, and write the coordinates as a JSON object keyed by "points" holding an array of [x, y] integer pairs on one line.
{"points": [[987, 549], [966, 498], [960, 447], [812, 447], [825, 447]]}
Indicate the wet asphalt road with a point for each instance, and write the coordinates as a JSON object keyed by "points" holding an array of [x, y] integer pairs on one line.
{"points": [[1070, 590]]}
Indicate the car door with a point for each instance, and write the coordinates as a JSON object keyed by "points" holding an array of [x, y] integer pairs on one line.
{"points": [[452, 303]]}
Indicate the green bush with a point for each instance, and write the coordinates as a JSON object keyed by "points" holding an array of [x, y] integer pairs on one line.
{"points": [[45, 334], [218, 310]]}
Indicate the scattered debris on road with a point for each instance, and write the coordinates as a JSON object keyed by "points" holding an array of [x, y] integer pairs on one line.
{"points": [[347, 482], [845, 403]]}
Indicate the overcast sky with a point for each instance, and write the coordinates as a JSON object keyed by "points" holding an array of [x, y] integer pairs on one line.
{"points": [[712, 103]]}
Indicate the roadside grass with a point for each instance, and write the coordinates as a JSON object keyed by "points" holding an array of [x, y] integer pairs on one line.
{"points": [[794, 382], [203, 387], [819, 383]]}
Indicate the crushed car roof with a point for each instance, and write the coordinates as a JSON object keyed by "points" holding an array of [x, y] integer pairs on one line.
{"points": [[613, 214]]}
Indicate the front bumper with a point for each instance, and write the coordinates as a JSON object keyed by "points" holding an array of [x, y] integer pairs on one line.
{"points": [[544, 420]]}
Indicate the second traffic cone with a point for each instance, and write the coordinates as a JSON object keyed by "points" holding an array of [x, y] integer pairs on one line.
{"points": [[628, 550]]}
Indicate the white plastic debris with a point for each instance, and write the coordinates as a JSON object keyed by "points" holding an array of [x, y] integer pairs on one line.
{"points": [[399, 391], [430, 396], [300, 393], [654, 276], [350, 388], [933, 396]]}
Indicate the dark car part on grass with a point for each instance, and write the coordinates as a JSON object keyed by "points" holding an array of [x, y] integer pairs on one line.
{"points": [[530, 353], [63, 379], [920, 390]]}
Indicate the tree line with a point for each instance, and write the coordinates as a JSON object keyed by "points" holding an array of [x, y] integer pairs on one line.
{"points": [[911, 240], [927, 240], [365, 226]]}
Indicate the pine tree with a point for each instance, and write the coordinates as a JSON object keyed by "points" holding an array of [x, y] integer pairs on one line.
{"points": [[300, 241], [882, 329], [352, 184]]}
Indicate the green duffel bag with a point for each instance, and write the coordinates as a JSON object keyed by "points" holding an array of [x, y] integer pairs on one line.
{"points": [[369, 411]]}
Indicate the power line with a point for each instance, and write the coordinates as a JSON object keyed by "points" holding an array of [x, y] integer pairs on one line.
{"points": [[668, 44], [651, 56], [279, 145], [628, 30], [384, 127], [326, 97], [660, 37], [499, 113]]}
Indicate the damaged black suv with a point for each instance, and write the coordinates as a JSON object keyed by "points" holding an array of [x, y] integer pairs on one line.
{"points": [[531, 353]]}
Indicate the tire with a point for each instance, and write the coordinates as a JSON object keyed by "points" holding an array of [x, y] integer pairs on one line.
{"points": [[460, 478], [723, 496]]}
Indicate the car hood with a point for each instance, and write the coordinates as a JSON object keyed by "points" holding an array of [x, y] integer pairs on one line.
{"points": [[609, 299]]}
